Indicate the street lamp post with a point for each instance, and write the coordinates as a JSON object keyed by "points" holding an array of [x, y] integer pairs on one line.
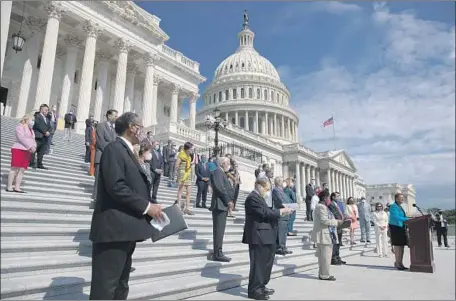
{"points": [[216, 122]]}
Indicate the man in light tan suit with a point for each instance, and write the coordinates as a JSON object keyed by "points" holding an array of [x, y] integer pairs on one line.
{"points": [[322, 236]]}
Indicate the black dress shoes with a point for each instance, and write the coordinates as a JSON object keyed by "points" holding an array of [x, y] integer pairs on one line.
{"points": [[268, 291], [132, 269], [258, 296], [221, 258], [287, 252], [336, 262], [330, 278]]}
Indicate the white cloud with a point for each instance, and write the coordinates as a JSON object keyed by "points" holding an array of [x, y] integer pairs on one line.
{"points": [[335, 7], [397, 119]]}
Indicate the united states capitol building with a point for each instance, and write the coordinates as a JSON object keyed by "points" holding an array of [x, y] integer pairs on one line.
{"points": [[90, 56]]}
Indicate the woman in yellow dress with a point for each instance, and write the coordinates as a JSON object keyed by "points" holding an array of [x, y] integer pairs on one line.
{"points": [[184, 177]]}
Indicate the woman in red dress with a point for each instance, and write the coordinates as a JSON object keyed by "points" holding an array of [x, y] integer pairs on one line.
{"points": [[21, 153]]}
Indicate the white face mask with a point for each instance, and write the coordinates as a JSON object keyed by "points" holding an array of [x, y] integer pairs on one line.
{"points": [[31, 124], [226, 168], [313, 183], [266, 195], [284, 185], [148, 157]]}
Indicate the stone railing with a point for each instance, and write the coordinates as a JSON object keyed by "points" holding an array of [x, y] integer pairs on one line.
{"points": [[187, 132], [178, 129], [236, 129], [178, 56], [298, 147]]}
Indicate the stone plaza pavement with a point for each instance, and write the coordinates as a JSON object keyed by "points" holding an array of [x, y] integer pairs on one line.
{"points": [[363, 278]]}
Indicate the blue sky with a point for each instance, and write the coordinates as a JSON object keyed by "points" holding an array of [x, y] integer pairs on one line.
{"points": [[385, 70]]}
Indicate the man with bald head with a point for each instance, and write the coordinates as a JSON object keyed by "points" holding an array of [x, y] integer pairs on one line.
{"points": [[222, 199]]}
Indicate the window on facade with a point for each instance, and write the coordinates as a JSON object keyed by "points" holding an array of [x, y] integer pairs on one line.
{"points": [[227, 93], [242, 93], [231, 67], [220, 96], [258, 94], [215, 98], [265, 94], [233, 120], [242, 65], [38, 63], [96, 84], [250, 93], [210, 99], [234, 94]]}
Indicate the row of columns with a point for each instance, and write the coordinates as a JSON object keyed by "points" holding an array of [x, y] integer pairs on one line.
{"points": [[123, 89], [304, 174], [341, 182], [246, 92], [288, 128]]}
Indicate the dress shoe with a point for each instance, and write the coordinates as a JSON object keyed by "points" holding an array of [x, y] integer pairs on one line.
{"points": [[368, 241], [291, 234], [258, 296], [268, 291], [342, 262], [335, 262], [204, 206], [288, 252], [281, 252], [330, 278], [198, 206], [221, 258], [42, 167], [132, 269], [362, 240]]}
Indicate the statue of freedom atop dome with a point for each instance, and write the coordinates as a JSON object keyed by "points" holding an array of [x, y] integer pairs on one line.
{"points": [[246, 19]]}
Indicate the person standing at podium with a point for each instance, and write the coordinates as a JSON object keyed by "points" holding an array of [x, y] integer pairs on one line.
{"points": [[397, 230]]}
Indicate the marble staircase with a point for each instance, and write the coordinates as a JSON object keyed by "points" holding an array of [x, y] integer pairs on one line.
{"points": [[46, 251]]}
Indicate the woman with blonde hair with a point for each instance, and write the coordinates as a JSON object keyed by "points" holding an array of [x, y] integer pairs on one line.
{"points": [[381, 229], [21, 153], [352, 212], [184, 177]]}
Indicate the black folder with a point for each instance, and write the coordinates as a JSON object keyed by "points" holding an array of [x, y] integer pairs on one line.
{"points": [[177, 223]]}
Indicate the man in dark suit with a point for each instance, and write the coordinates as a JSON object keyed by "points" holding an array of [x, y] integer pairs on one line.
{"points": [[166, 152], [202, 181], [105, 134], [122, 212], [310, 192], [70, 120], [260, 233], [156, 169], [42, 128], [336, 208], [222, 199]]}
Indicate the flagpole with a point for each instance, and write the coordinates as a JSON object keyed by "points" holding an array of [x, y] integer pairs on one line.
{"points": [[334, 132]]}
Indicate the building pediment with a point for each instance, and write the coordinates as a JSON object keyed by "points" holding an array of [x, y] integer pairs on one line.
{"points": [[342, 158]]}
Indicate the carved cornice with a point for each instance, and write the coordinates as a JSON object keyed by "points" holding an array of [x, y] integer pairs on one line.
{"points": [[122, 45], [92, 29], [35, 24], [103, 56], [54, 9], [151, 58], [176, 88]]}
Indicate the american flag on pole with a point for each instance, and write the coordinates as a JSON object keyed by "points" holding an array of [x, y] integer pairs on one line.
{"points": [[328, 122]]}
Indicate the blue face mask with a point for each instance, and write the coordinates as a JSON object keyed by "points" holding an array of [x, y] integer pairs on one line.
{"points": [[204, 160]]}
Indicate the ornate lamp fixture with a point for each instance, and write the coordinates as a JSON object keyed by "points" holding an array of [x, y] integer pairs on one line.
{"points": [[216, 123], [18, 37]]}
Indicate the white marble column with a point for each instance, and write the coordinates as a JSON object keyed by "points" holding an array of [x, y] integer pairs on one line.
{"points": [[339, 182], [73, 43], [236, 117], [298, 182], [347, 192], [123, 47], [275, 126], [5, 19], [289, 137], [307, 173], [85, 85], [303, 181], [263, 126], [266, 122], [296, 132], [227, 117], [174, 102], [44, 85], [317, 177], [35, 25], [149, 101], [312, 174], [130, 86], [193, 99], [282, 130], [333, 186], [256, 125], [246, 121], [285, 173], [102, 80]]}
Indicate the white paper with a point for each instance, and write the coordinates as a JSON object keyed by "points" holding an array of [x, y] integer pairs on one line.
{"points": [[162, 223], [293, 206]]}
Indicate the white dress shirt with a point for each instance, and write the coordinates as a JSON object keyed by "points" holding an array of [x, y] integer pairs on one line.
{"points": [[380, 218], [130, 146]]}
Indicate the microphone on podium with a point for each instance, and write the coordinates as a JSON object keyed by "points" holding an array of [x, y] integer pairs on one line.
{"points": [[414, 205]]}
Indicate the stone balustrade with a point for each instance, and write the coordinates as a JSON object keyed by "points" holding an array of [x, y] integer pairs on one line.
{"points": [[178, 56]]}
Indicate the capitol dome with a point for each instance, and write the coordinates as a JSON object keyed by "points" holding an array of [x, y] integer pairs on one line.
{"points": [[247, 90]]}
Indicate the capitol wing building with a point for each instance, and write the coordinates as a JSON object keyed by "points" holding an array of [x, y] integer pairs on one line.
{"points": [[90, 56]]}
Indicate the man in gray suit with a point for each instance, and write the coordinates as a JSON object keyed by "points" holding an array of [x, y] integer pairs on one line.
{"points": [[364, 212], [222, 199], [105, 134]]}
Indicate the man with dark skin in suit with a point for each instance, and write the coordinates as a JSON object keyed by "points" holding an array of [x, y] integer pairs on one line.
{"points": [[260, 233]]}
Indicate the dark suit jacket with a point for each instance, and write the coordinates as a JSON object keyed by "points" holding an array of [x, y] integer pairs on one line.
{"points": [[202, 172], [166, 151], [104, 135], [222, 191], [333, 208], [278, 199], [310, 192], [122, 197], [70, 120], [260, 221], [156, 162], [40, 127]]}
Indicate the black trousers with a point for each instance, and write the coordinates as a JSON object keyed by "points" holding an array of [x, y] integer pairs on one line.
{"points": [[40, 151], [87, 155], [236, 195], [442, 232], [261, 262], [111, 265], [202, 192], [336, 248], [95, 184], [308, 210], [218, 230], [155, 184]]}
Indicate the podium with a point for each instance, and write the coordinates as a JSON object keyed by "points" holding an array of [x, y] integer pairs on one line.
{"points": [[420, 243]]}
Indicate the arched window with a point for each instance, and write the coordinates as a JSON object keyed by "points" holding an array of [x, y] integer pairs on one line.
{"points": [[242, 93], [250, 93], [227, 94], [220, 96], [231, 67], [258, 93], [215, 97], [278, 97], [242, 65], [234, 93], [272, 95], [265, 94]]}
